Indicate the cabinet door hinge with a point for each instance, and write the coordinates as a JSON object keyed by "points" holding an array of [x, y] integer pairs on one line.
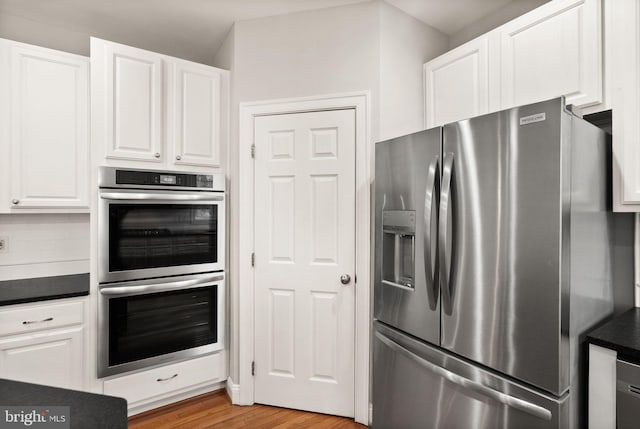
{"points": [[253, 259], [253, 151], [253, 368]]}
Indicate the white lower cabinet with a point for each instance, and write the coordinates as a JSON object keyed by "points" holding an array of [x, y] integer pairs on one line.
{"points": [[602, 388], [159, 383], [43, 344]]}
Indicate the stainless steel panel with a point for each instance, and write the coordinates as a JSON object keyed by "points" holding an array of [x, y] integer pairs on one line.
{"points": [[627, 395], [502, 248], [419, 386], [407, 182]]}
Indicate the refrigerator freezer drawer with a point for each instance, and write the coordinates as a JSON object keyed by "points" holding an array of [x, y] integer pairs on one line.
{"points": [[418, 386]]}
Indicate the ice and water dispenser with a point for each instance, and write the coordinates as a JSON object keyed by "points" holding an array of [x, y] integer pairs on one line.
{"points": [[399, 248]]}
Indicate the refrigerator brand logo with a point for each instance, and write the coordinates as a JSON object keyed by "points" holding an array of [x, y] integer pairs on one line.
{"points": [[34, 417], [538, 117]]}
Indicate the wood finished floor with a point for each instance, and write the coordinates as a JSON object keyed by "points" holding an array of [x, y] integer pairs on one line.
{"points": [[214, 410]]}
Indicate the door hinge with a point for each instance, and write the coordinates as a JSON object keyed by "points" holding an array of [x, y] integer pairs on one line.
{"points": [[253, 259], [253, 151], [253, 368]]}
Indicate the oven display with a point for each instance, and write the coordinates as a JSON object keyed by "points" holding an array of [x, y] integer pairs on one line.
{"points": [[167, 180]]}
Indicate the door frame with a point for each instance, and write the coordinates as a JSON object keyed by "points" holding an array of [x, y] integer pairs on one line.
{"points": [[243, 392]]}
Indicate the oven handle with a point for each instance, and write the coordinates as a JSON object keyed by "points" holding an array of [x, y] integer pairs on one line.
{"points": [[166, 197], [158, 287]]}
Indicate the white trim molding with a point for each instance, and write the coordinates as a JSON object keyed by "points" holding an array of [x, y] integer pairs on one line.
{"points": [[361, 103], [233, 391]]}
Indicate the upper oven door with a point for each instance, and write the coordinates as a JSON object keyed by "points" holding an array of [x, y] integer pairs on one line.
{"points": [[144, 234]]}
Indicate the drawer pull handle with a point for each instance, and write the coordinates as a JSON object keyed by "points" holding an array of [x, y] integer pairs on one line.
{"points": [[30, 322], [167, 379]]}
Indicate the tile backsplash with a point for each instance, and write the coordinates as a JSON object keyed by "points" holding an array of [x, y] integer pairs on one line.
{"points": [[41, 245]]}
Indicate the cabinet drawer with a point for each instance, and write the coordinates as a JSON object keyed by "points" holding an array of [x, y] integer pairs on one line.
{"points": [[165, 380], [38, 317]]}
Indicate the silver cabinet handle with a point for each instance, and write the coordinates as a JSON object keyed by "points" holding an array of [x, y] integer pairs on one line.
{"points": [[430, 263], [15, 201], [345, 279], [166, 379], [122, 290], [31, 322], [443, 230], [157, 154], [503, 398], [178, 157]]}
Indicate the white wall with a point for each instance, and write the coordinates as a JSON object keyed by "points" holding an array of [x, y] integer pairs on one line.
{"points": [[405, 45], [361, 47], [493, 20], [44, 245], [43, 34]]}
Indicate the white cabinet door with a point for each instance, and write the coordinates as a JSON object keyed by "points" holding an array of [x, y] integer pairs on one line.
{"points": [[194, 113], [626, 105], [51, 357], [457, 83], [47, 108], [551, 51], [128, 92]]}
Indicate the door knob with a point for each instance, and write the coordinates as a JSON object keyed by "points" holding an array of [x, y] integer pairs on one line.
{"points": [[345, 279]]}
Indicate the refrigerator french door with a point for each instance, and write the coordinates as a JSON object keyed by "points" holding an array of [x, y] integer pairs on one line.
{"points": [[406, 293]]}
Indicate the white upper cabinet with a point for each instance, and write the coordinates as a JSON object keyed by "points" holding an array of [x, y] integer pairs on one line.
{"points": [[457, 83], [44, 117], [132, 96], [624, 35], [553, 50], [150, 110], [194, 94]]}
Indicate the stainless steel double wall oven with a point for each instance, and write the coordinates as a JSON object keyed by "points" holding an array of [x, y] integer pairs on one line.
{"points": [[161, 267]]}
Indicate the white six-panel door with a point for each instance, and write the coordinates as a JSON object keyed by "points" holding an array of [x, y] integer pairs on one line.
{"points": [[304, 243]]}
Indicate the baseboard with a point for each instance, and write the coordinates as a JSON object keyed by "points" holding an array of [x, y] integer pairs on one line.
{"points": [[233, 390], [141, 407]]}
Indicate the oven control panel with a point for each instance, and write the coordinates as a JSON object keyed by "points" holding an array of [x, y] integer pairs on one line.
{"points": [[111, 177]]}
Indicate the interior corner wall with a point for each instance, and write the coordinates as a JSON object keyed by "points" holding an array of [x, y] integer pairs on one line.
{"points": [[225, 59], [322, 51], [405, 45]]}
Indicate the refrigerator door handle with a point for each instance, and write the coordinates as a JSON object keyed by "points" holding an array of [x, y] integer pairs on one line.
{"points": [[503, 398], [443, 230], [430, 256]]}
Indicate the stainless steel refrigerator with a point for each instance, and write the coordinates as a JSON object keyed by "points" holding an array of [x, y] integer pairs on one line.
{"points": [[495, 250]]}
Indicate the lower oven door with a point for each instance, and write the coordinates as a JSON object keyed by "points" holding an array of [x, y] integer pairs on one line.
{"points": [[151, 322]]}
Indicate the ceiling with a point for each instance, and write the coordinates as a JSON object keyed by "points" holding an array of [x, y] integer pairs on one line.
{"points": [[200, 26]]}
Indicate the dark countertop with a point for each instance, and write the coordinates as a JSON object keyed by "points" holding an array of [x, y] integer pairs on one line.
{"points": [[87, 410], [622, 334], [43, 288]]}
